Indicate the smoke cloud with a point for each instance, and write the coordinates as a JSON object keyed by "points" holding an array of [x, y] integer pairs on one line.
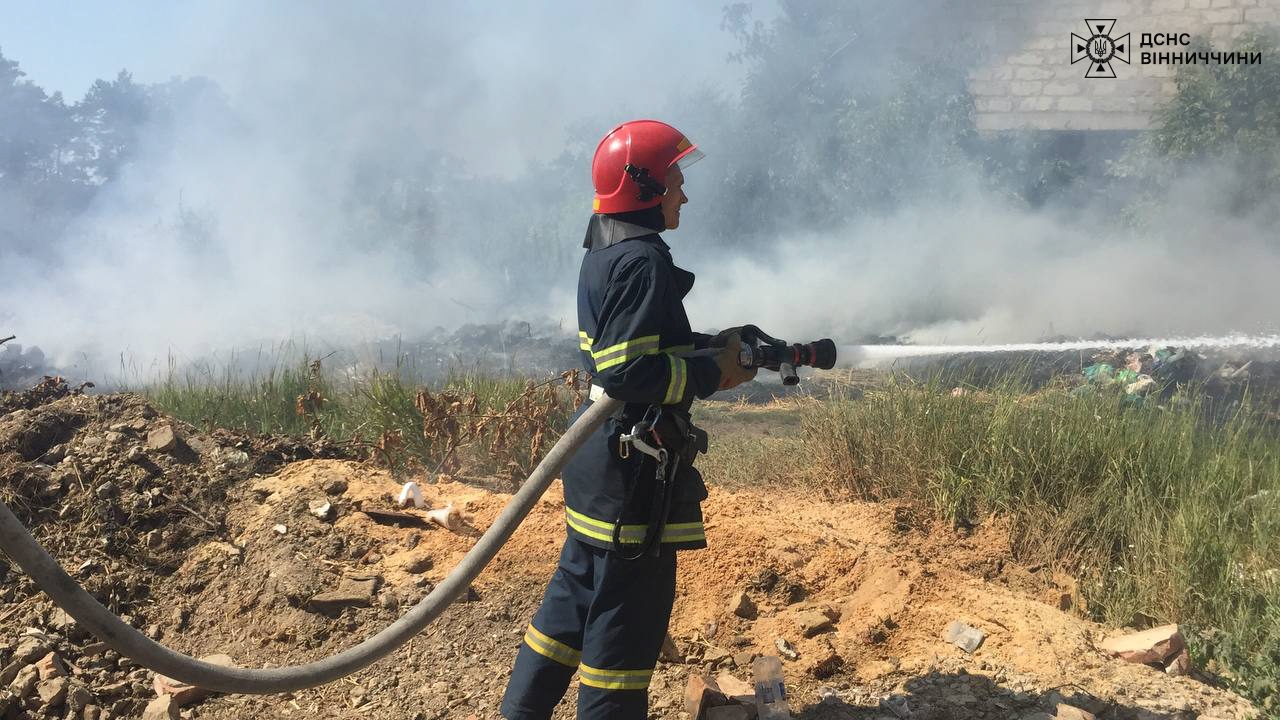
{"points": [[353, 173], [979, 270]]}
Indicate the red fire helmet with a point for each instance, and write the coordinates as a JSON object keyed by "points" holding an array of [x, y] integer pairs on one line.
{"points": [[650, 148]]}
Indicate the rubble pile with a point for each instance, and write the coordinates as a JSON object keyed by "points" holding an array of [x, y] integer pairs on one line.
{"points": [[1219, 376], [1140, 372], [120, 495]]}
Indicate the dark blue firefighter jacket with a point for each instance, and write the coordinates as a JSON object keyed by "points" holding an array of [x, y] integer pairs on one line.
{"points": [[632, 328]]}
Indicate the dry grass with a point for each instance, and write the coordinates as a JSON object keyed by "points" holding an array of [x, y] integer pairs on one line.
{"points": [[1161, 513]]}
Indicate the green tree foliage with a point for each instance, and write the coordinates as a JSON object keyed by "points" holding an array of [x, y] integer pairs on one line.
{"points": [[848, 109], [55, 158], [109, 118], [1228, 114], [35, 129]]}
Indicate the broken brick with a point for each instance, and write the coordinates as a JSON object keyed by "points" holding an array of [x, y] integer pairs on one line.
{"points": [[700, 693], [1157, 645]]}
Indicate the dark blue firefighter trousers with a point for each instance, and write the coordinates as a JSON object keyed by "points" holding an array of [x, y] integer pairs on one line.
{"points": [[603, 617]]}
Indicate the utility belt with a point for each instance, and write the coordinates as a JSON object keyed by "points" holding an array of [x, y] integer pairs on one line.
{"points": [[658, 426], [669, 437]]}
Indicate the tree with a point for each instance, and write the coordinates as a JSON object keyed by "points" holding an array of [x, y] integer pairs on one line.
{"points": [[110, 117], [35, 129], [1229, 114]]}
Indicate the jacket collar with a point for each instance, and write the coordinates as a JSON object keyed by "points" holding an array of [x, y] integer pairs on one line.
{"points": [[606, 230]]}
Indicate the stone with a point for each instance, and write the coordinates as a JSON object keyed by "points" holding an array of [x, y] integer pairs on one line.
{"points": [[25, 682], [62, 621], [322, 509], [728, 712], [183, 694], [1157, 645], [742, 606], [735, 689], [743, 659], [50, 666], [231, 457], [351, 592], [334, 486], [700, 693], [813, 622], [226, 547], [91, 712], [670, 651], [1179, 665], [966, 637], [11, 671], [31, 647], [116, 688], [79, 698], [161, 708], [419, 564], [1070, 712], [786, 649], [715, 654], [162, 439], [52, 692]]}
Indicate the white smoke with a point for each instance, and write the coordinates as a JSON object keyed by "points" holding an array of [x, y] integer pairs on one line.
{"points": [[251, 222]]}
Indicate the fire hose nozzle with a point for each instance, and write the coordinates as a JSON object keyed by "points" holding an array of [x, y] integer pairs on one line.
{"points": [[760, 350]]}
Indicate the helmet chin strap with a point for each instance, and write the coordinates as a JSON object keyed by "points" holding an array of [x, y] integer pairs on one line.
{"points": [[649, 188]]}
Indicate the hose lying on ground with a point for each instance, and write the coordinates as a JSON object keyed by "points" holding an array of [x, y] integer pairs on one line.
{"points": [[45, 571]]}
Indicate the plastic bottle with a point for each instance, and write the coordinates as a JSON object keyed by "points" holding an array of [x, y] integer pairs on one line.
{"points": [[771, 692]]}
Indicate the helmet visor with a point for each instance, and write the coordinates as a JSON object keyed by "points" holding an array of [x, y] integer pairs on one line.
{"points": [[688, 159]]}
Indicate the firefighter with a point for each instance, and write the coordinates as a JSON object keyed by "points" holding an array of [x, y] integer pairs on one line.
{"points": [[627, 509]]}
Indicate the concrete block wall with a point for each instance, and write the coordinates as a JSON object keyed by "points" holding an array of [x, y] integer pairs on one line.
{"points": [[1031, 83]]}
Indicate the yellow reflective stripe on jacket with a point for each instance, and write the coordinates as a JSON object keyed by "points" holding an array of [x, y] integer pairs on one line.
{"points": [[679, 380], [551, 648], [677, 349], [624, 351], [585, 342], [614, 679], [601, 530]]}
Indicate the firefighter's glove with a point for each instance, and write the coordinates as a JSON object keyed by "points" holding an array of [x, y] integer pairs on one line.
{"points": [[721, 338], [732, 374]]}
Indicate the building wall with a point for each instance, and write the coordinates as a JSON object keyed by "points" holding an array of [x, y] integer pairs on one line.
{"points": [[1031, 82]]}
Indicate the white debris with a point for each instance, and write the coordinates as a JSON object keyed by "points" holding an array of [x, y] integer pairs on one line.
{"points": [[411, 492]]}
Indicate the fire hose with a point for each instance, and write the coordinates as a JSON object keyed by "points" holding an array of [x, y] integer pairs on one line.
{"points": [[758, 350], [17, 542]]}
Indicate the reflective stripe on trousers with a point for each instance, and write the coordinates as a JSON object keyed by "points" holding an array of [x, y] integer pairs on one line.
{"points": [[605, 619]]}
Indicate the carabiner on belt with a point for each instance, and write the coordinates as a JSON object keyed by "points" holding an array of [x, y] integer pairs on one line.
{"points": [[641, 433]]}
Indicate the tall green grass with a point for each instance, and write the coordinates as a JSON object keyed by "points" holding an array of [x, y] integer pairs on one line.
{"points": [[1159, 511]]}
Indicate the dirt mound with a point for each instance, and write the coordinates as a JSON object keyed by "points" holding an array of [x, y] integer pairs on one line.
{"points": [[120, 495], [209, 545]]}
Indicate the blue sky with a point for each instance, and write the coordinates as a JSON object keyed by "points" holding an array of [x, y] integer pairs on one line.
{"points": [[481, 68], [65, 45]]}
